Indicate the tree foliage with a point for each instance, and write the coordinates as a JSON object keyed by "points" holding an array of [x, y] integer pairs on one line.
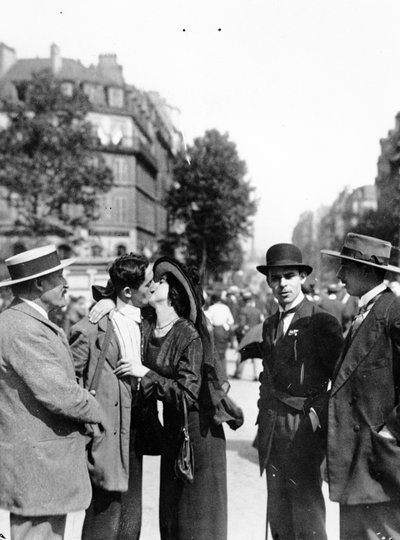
{"points": [[48, 160], [212, 199]]}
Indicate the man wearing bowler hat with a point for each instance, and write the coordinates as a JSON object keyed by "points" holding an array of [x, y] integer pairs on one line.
{"points": [[364, 415], [44, 482], [301, 344]]}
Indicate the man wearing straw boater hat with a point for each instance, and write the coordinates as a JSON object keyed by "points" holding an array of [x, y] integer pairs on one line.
{"points": [[301, 344], [364, 416], [44, 482]]}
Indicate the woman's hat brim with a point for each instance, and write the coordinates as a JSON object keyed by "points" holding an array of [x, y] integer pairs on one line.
{"points": [[263, 269], [65, 262], [164, 265], [337, 254]]}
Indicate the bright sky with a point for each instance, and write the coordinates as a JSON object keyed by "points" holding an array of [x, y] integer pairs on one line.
{"points": [[306, 88]]}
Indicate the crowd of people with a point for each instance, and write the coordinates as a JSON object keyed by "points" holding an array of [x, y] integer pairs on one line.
{"points": [[143, 373]]}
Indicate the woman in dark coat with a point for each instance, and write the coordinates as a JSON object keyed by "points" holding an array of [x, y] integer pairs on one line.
{"points": [[178, 363]]}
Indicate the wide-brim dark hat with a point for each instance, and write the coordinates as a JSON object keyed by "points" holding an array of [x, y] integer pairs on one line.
{"points": [[284, 255], [365, 250], [34, 263], [166, 264]]}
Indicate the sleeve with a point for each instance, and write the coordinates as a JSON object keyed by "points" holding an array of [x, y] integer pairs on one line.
{"points": [[329, 340], [79, 344], [49, 381], [229, 318], [187, 379]]}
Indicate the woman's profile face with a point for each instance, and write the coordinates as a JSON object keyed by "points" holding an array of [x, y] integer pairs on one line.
{"points": [[159, 291]]}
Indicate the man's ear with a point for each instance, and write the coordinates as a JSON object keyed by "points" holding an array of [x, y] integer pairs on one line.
{"points": [[303, 277], [127, 292], [37, 284]]}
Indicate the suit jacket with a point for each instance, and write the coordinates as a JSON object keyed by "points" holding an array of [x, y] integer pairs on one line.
{"points": [[111, 470], [297, 369], [42, 410], [363, 466]]}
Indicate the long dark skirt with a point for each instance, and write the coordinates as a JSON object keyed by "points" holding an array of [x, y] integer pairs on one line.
{"points": [[370, 521], [197, 511]]}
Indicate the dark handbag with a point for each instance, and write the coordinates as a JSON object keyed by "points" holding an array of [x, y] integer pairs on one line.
{"points": [[184, 461]]}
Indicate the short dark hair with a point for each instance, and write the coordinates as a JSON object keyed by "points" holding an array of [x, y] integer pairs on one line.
{"points": [[178, 296], [129, 270]]}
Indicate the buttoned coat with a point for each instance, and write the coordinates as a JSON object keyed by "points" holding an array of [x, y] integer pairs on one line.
{"points": [[115, 396], [42, 410], [300, 365], [363, 466]]}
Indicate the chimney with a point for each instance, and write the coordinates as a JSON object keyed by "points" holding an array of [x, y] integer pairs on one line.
{"points": [[55, 57], [7, 58], [110, 68]]}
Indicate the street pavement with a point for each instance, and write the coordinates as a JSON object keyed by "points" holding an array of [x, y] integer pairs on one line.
{"points": [[247, 495]]}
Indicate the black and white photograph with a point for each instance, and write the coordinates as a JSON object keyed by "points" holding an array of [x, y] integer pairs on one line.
{"points": [[200, 270]]}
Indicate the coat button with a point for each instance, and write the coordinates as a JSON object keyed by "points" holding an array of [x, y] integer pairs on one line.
{"points": [[356, 428], [116, 403]]}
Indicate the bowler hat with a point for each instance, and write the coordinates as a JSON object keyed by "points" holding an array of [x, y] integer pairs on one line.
{"points": [[365, 250], [166, 264], [32, 264], [284, 255]]}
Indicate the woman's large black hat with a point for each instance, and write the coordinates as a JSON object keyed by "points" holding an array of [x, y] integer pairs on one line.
{"points": [[166, 264], [284, 255]]}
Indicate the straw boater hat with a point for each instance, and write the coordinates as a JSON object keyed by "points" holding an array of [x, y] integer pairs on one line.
{"points": [[32, 264], [284, 255], [365, 250], [164, 265]]}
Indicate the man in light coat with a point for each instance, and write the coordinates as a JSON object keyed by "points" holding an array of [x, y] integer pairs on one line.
{"points": [[364, 416], [44, 482], [116, 471], [301, 344]]}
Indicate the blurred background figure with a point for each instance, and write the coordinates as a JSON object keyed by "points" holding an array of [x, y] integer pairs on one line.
{"points": [[76, 310], [249, 317], [232, 301], [221, 318], [350, 307], [330, 303]]}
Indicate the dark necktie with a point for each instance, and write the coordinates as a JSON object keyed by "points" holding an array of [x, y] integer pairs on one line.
{"points": [[359, 318], [280, 326]]}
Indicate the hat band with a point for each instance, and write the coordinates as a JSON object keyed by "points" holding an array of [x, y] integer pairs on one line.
{"points": [[34, 266], [357, 255]]}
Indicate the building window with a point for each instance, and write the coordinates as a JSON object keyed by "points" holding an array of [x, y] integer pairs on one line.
{"points": [[67, 88], [95, 93], [97, 250], [116, 97], [120, 170], [121, 210]]}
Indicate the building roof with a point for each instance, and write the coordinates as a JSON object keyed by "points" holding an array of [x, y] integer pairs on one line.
{"points": [[72, 70]]}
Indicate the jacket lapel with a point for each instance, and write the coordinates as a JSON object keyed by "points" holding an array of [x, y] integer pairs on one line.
{"points": [[23, 307], [363, 341], [113, 351]]}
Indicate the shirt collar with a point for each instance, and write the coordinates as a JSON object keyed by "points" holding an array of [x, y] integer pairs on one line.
{"points": [[295, 303], [367, 297], [132, 312], [35, 306]]}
